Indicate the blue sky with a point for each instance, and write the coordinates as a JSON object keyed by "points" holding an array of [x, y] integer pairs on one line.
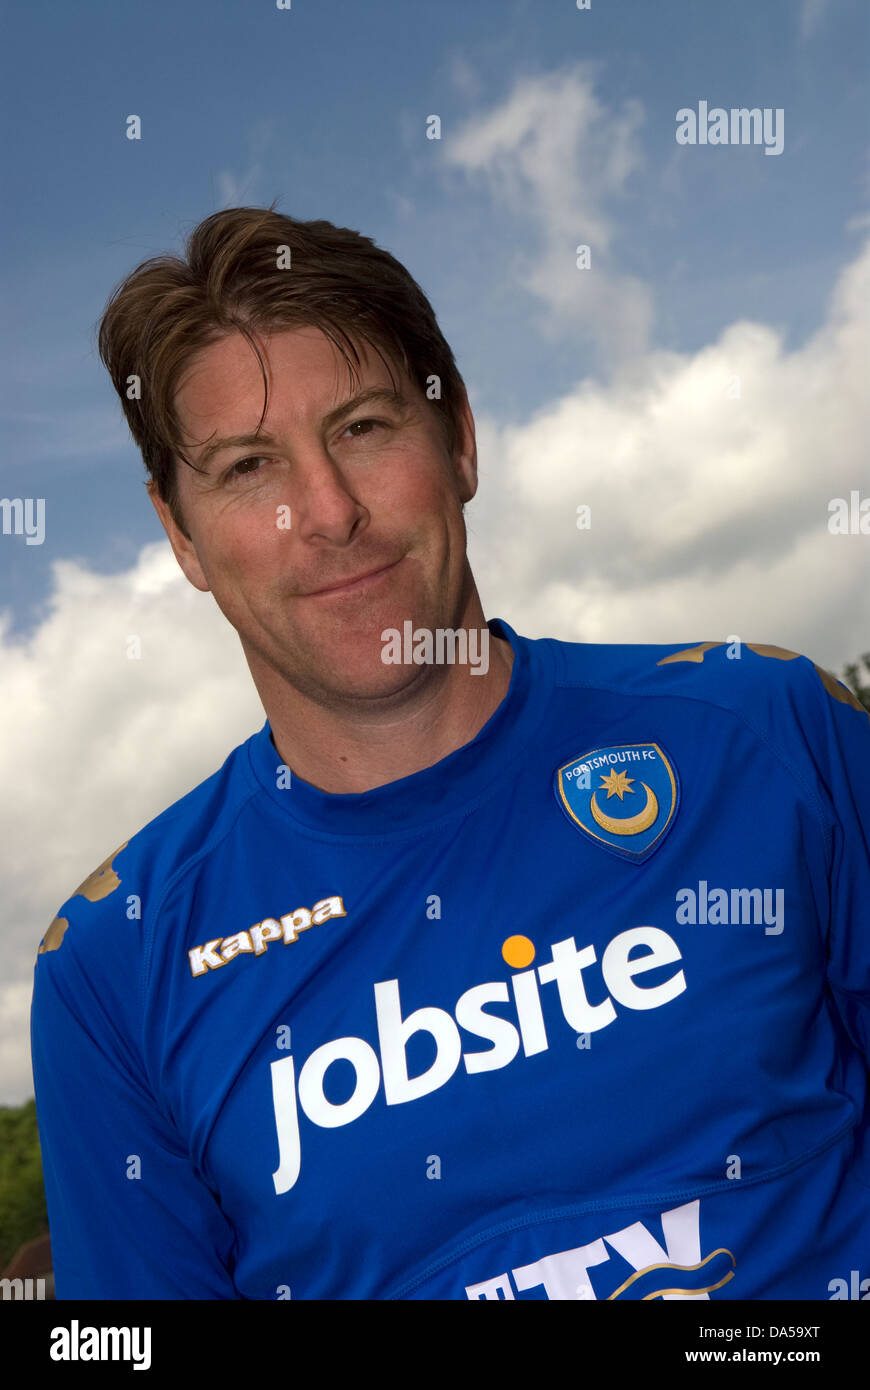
{"points": [[323, 106], [610, 388]]}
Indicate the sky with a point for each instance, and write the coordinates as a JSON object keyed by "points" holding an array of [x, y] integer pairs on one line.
{"points": [[700, 385]]}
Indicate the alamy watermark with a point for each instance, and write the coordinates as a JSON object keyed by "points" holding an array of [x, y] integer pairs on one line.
{"points": [[76, 1343], [24, 517], [22, 1289], [849, 518], [739, 126], [445, 646], [740, 907], [855, 1288]]}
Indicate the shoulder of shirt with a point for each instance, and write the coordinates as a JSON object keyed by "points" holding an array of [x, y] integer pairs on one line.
{"points": [[111, 896], [751, 679]]}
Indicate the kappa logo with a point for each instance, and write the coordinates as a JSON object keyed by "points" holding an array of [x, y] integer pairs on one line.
{"points": [[677, 1271], [255, 940], [595, 789]]}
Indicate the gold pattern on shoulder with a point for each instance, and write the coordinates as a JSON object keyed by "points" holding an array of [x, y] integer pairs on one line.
{"points": [[54, 936], [102, 881], [835, 688], [840, 691], [690, 653], [99, 884], [780, 653]]}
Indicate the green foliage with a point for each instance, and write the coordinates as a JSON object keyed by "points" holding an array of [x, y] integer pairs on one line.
{"points": [[22, 1197], [853, 677]]}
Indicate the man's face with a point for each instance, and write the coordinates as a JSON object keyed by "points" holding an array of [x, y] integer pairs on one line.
{"points": [[373, 489]]}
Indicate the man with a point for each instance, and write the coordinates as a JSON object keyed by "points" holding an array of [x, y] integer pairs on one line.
{"points": [[539, 970]]}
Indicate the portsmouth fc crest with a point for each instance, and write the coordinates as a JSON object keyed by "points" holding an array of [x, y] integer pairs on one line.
{"points": [[625, 797]]}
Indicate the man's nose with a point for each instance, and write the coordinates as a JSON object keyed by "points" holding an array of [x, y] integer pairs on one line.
{"points": [[323, 504]]}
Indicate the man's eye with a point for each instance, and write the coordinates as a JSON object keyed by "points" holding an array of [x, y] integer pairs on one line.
{"points": [[240, 468], [353, 424]]}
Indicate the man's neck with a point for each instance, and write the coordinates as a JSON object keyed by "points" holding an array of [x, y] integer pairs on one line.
{"points": [[365, 747]]}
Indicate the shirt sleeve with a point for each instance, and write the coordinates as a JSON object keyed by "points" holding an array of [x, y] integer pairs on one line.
{"points": [[129, 1218], [836, 734]]}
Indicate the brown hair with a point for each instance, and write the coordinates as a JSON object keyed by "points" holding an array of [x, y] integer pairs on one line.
{"points": [[168, 309]]}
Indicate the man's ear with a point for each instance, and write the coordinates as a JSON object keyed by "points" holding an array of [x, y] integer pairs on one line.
{"points": [[182, 546], [465, 453]]}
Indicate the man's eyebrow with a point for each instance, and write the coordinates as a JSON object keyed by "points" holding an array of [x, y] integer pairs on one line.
{"points": [[372, 395]]}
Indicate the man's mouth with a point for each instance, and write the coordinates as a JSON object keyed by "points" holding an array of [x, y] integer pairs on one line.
{"points": [[355, 584]]}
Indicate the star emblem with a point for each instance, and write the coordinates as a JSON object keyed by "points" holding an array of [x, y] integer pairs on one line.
{"points": [[616, 784]]}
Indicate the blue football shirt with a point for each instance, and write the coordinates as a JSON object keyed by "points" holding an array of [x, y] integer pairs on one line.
{"points": [[582, 1011]]}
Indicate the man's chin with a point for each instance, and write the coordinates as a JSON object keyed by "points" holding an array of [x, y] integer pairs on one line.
{"points": [[357, 644], [356, 655], [369, 681]]}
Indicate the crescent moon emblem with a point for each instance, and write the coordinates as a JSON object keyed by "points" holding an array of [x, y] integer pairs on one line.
{"points": [[631, 825]]}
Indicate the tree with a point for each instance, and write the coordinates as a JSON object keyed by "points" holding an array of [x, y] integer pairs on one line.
{"points": [[852, 676], [23, 1212]]}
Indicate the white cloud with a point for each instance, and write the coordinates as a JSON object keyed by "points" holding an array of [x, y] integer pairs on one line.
{"points": [[555, 157], [465, 76], [102, 743], [709, 514], [812, 12], [240, 190]]}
